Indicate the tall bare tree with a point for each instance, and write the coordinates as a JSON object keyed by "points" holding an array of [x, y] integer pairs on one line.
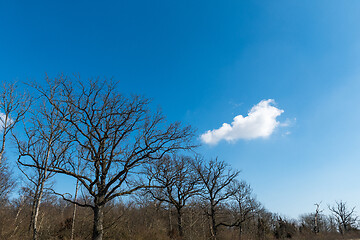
{"points": [[116, 136], [42, 147], [316, 218], [77, 188], [7, 184], [243, 206], [344, 215], [316, 221], [216, 176], [175, 182], [13, 107]]}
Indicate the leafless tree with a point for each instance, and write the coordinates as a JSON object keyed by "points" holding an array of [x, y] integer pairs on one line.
{"points": [[77, 188], [243, 206], [344, 215], [175, 182], [42, 147], [7, 184], [13, 107], [74, 211], [284, 228], [315, 222], [116, 136], [316, 217], [216, 177]]}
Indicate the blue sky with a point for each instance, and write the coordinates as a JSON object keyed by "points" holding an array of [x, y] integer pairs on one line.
{"points": [[205, 62]]}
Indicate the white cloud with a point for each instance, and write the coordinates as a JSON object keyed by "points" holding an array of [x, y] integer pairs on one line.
{"points": [[260, 123]]}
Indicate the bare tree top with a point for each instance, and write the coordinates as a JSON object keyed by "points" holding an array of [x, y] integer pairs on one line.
{"points": [[112, 134]]}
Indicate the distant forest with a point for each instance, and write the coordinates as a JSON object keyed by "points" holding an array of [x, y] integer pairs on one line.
{"points": [[135, 175]]}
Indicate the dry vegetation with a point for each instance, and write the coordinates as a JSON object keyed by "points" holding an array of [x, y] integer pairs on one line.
{"points": [[136, 175], [146, 219]]}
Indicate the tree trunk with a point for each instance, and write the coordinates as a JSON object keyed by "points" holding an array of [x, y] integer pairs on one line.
{"points": [[98, 230], [35, 213], [213, 223], [74, 213], [170, 221], [1, 156], [35, 209], [39, 195], [180, 229], [240, 231], [2, 150], [17, 214]]}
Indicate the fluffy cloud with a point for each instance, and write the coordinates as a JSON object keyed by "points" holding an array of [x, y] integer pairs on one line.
{"points": [[260, 123]]}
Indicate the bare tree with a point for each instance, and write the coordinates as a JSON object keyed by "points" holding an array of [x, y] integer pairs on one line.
{"points": [[175, 182], [216, 177], [41, 146], [243, 206], [116, 136], [77, 188], [314, 222], [345, 216], [7, 183], [316, 217], [13, 107], [284, 228]]}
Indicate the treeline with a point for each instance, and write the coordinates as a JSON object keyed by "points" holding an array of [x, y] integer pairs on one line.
{"points": [[135, 175], [143, 217]]}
